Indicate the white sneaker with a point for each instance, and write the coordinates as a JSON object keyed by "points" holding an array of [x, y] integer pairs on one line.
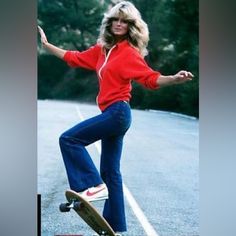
{"points": [[97, 193]]}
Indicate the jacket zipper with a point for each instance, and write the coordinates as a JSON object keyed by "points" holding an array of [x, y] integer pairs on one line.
{"points": [[105, 62]]}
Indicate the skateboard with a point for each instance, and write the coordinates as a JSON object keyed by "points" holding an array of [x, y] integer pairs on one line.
{"points": [[87, 212]]}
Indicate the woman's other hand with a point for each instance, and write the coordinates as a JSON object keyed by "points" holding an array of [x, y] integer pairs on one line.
{"points": [[43, 36]]}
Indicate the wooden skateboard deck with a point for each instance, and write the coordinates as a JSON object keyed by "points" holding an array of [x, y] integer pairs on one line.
{"points": [[87, 212]]}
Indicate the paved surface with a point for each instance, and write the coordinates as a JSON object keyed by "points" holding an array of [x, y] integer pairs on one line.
{"points": [[159, 166]]}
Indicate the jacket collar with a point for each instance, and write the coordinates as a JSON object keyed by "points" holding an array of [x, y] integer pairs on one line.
{"points": [[122, 44]]}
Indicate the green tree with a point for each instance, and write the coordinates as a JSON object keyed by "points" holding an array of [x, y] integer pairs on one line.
{"points": [[73, 25], [173, 46]]}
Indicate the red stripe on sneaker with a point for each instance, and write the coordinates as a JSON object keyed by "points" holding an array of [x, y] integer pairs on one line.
{"points": [[89, 194]]}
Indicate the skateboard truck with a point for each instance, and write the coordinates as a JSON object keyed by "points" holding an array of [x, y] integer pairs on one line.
{"points": [[75, 204]]}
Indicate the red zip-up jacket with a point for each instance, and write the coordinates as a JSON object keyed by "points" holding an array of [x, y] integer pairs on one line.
{"points": [[115, 71]]}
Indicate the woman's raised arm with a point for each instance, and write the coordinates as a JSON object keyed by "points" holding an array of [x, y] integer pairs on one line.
{"points": [[50, 47]]}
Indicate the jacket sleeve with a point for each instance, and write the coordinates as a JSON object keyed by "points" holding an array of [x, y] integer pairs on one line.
{"points": [[136, 68], [86, 59]]}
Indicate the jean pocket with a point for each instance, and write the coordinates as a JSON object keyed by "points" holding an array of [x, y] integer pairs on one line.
{"points": [[122, 115]]}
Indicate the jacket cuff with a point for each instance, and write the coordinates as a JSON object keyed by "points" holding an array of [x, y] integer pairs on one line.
{"points": [[66, 56], [153, 82]]}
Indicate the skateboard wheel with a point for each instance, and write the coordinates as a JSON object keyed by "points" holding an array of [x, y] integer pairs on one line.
{"points": [[64, 207]]}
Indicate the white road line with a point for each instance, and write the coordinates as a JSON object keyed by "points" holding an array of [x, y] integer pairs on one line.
{"points": [[150, 231]]}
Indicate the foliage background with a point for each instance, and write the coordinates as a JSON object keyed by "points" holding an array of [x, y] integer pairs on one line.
{"points": [[173, 46]]}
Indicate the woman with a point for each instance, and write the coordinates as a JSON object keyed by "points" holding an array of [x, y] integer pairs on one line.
{"points": [[117, 58]]}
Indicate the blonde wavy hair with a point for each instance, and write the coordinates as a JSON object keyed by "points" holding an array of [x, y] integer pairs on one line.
{"points": [[138, 33]]}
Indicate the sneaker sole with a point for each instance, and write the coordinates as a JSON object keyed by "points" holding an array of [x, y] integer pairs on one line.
{"points": [[96, 199]]}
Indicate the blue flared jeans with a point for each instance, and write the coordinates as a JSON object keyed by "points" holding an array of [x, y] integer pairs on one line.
{"points": [[110, 127]]}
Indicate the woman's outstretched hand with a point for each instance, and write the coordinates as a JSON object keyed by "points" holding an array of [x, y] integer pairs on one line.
{"points": [[182, 76], [179, 78], [43, 36]]}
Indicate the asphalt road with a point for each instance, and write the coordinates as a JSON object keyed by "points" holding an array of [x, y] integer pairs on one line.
{"points": [[159, 165]]}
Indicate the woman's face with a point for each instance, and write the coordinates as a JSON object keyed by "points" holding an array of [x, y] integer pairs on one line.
{"points": [[119, 27]]}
